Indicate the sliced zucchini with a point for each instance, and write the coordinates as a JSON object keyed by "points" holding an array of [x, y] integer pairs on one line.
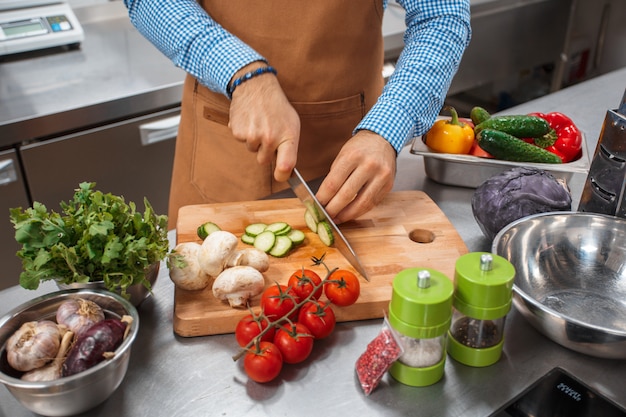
{"points": [[296, 236], [265, 241], [325, 233], [206, 229], [281, 247], [255, 229], [279, 228], [247, 239], [310, 220]]}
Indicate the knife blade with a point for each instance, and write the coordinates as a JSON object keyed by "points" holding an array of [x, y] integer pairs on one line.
{"points": [[306, 196]]}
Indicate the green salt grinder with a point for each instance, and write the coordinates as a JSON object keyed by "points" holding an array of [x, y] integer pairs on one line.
{"points": [[420, 311], [482, 299]]}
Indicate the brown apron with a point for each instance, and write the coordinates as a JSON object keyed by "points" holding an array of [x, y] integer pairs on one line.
{"points": [[329, 56]]}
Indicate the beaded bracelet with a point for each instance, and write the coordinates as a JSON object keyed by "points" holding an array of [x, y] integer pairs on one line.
{"points": [[249, 75]]}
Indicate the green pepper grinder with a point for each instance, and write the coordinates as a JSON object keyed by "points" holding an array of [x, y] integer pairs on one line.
{"points": [[420, 311], [482, 299]]}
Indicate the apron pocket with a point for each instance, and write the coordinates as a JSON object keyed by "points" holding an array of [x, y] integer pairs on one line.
{"points": [[325, 127]]}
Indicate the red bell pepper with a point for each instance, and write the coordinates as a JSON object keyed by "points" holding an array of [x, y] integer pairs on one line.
{"points": [[568, 145]]}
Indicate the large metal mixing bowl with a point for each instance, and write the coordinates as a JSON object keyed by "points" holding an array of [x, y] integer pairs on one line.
{"points": [[570, 281], [83, 391]]}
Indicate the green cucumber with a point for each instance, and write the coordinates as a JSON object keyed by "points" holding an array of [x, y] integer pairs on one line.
{"points": [[509, 148], [479, 115], [518, 126], [206, 229]]}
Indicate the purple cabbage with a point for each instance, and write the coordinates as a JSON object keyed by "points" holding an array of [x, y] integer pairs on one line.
{"points": [[517, 193]]}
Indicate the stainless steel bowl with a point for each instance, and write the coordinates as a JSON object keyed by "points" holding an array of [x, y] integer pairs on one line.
{"points": [[137, 293], [570, 281], [80, 392]]}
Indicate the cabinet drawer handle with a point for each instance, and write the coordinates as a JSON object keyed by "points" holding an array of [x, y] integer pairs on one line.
{"points": [[159, 130], [7, 172]]}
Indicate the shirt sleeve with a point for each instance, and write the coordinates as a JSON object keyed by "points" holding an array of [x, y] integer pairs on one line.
{"points": [[436, 36], [192, 40]]}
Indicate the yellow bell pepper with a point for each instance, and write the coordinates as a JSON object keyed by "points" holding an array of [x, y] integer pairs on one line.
{"points": [[450, 136]]}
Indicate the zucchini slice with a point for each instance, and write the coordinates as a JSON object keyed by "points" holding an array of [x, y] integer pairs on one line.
{"points": [[279, 228], [255, 229], [247, 239], [296, 236], [206, 229], [325, 233], [310, 220], [281, 247], [265, 241]]}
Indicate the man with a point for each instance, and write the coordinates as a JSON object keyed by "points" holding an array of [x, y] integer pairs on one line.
{"points": [[281, 83]]}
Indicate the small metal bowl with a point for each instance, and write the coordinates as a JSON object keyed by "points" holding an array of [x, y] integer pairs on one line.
{"points": [[137, 293], [570, 281], [77, 393]]}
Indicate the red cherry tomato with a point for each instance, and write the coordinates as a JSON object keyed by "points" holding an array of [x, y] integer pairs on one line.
{"points": [[318, 317], [294, 341], [342, 288], [250, 326], [263, 364], [277, 301], [304, 282]]}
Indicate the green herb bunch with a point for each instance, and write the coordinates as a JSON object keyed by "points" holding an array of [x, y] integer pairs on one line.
{"points": [[97, 237]]}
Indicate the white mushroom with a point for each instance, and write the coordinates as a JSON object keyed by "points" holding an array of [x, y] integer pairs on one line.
{"points": [[188, 275], [215, 251], [238, 284], [253, 257]]}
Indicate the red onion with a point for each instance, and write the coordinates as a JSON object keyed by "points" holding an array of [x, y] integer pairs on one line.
{"points": [[78, 315], [98, 343]]}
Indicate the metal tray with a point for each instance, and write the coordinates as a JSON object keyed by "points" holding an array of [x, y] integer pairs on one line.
{"points": [[471, 171]]}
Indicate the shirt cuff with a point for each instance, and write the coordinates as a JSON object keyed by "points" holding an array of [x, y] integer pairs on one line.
{"points": [[391, 122], [232, 55]]}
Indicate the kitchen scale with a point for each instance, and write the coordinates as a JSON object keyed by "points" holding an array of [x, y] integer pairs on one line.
{"points": [[28, 25], [559, 394]]}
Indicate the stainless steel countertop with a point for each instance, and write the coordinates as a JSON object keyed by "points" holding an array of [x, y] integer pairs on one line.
{"points": [[173, 376], [115, 74]]}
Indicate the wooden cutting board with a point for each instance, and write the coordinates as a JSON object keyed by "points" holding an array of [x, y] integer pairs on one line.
{"points": [[407, 230]]}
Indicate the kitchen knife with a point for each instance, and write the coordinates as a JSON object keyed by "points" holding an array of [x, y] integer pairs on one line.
{"points": [[304, 193]]}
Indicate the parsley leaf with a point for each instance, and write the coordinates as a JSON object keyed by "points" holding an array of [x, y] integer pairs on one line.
{"points": [[95, 237]]}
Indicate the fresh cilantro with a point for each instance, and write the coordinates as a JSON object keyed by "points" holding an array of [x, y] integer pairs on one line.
{"points": [[96, 237]]}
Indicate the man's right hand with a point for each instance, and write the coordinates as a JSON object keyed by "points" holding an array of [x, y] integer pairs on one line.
{"points": [[262, 117]]}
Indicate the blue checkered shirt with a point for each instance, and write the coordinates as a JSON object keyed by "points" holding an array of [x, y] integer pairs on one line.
{"points": [[438, 31]]}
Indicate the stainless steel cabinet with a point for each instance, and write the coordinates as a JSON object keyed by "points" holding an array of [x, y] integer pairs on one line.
{"points": [[132, 158], [12, 194]]}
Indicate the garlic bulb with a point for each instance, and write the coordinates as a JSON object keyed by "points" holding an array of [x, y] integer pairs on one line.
{"points": [[34, 344], [79, 314], [51, 371]]}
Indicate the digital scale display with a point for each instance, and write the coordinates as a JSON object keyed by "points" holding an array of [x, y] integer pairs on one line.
{"points": [[28, 28], [32, 28], [558, 394]]}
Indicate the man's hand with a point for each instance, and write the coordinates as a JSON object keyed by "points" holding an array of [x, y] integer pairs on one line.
{"points": [[261, 116], [359, 178]]}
